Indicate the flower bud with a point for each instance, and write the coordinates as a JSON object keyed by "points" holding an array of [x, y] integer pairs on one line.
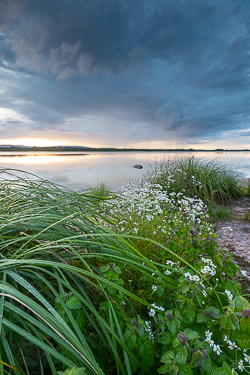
{"points": [[169, 316], [246, 313]]}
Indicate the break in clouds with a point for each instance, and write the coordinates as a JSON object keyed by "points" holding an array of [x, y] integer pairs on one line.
{"points": [[137, 71]]}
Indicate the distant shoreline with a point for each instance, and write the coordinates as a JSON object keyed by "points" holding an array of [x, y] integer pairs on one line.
{"points": [[106, 149]]}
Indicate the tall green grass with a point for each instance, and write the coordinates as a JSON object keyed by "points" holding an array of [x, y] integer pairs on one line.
{"points": [[211, 181], [52, 247]]}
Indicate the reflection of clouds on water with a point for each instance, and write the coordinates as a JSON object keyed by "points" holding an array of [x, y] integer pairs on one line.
{"points": [[79, 171], [57, 177]]}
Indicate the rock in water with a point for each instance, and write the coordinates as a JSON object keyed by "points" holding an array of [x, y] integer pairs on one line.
{"points": [[138, 166]]}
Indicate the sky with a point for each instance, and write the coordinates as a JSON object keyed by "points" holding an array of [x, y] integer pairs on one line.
{"points": [[109, 73]]}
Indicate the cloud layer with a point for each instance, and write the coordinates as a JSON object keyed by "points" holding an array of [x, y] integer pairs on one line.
{"points": [[124, 72]]}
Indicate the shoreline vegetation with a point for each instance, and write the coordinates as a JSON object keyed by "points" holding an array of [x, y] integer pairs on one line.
{"points": [[98, 282], [108, 149]]}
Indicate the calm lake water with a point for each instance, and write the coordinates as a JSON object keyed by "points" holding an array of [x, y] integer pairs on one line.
{"points": [[80, 170]]}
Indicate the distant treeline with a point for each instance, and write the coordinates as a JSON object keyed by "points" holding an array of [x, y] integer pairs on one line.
{"points": [[86, 149]]}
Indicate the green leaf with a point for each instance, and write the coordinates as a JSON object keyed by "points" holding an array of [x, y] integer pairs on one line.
{"points": [[185, 370], [215, 313], [171, 326], [235, 320], [201, 317], [227, 367], [73, 303], [160, 290], [185, 287], [167, 357], [162, 370], [191, 335], [147, 353], [242, 340], [105, 268], [189, 315], [221, 371], [206, 364], [181, 355], [117, 269], [195, 360], [165, 338], [111, 290], [245, 324], [130, 338], [241, 302]]}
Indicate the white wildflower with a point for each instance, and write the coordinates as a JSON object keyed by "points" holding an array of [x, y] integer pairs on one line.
{"points": [[240, 365], [217, 349]]}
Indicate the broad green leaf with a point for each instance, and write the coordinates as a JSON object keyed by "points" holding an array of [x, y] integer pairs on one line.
{"points": [[181, 355], [167, 357], [105, 268], [189, 315], [147, 353], [206, 364], [201, 317], [226, 366], [241, 302], [215, 313], [172, 326], [221, 371], [243, 340], [160, 290], [245, 325], [117, 270], [191, 335], [73, 303], [130, 338], [165, 338], [235, 320], [185, 370], [162, 370]]}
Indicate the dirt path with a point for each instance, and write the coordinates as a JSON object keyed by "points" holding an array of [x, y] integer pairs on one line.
{"points": [[234, 234]]}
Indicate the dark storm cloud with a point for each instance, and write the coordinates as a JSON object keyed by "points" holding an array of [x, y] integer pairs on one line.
{"points": [[175, 66]]}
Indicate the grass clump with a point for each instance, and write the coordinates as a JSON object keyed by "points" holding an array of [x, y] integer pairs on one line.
{"points": [[219, 213], [99, 189], [133, 286], [247, 215], [211, 181]]}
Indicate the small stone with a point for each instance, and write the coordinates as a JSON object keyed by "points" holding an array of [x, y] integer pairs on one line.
{"points": [[137, 166]]}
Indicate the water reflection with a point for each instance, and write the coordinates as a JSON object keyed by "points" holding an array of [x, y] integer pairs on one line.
{"points": [[78, 170]]}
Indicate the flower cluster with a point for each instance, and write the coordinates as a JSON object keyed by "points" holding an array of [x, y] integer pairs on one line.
{"points": [[210, 268], [229, 295], [192, 277], [149, 329], [145, 202], [231, 345], [152, 310], [216, 348], [244, 273]]}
